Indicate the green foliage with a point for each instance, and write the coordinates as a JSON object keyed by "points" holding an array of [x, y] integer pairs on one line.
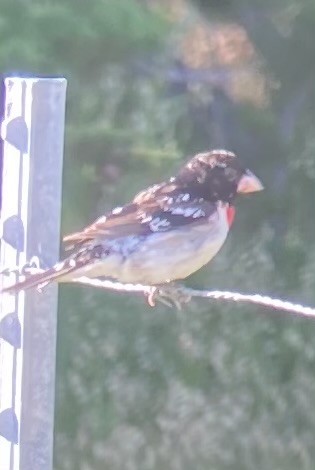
{"points": [[71, 36], [216, 386]]}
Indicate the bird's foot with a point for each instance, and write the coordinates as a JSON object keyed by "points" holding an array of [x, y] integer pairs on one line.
{"points": [[171, 295], [29, 268], [32, 267]]}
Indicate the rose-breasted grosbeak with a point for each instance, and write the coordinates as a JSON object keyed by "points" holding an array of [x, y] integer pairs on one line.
{"points": [[168, 231]]}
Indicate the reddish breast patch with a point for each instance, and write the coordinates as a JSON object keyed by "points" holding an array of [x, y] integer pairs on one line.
{"points": [[230, 214]]}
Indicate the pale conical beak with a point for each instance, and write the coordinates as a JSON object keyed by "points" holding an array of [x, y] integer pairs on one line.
{"points": [[249, 183]]}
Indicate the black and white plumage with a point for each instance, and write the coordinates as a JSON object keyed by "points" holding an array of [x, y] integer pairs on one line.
{"points": [[167, 232]]}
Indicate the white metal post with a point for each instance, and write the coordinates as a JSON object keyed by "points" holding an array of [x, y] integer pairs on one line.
{"points": [[33, 136]]}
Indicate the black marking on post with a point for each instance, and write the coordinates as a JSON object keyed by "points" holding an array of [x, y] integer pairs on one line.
{"points": [[13, 232], [10, 329], [16, 133], [9, 426]]}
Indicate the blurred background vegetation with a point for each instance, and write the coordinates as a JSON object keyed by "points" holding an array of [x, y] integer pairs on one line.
{"points": [[217, 386]]}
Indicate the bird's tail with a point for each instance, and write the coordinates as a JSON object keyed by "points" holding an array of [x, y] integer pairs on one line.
{"points": [[41, 279]]}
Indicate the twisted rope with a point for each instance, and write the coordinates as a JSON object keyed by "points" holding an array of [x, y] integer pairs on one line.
{"points": [[176, 294], [264, 300]]}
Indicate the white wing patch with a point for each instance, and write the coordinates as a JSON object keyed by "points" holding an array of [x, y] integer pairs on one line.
{"points": [[158, 223], [117, 210], [183, 197], [198, 213], [193, 212], [101, 220]]}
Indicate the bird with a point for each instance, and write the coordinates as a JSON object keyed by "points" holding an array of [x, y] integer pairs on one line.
{"points": [[165, 233]]}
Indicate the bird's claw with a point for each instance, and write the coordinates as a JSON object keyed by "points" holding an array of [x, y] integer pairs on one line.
{"points": [[32, 267], [170, 295]]}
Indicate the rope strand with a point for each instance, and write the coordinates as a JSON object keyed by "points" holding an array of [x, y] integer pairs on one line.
{"points": [[264, 300]]}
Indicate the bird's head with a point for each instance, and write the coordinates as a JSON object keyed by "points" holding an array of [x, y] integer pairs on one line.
{"points": [[217, 176]]}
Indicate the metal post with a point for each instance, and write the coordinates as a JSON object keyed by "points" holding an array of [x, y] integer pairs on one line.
{"points": [[33, 133]]}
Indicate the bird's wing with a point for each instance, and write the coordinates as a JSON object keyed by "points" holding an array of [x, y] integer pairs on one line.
{"points": [[159, 208]]}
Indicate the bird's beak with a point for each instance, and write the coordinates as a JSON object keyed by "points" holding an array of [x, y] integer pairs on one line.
{"points": [[249, 183]]}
